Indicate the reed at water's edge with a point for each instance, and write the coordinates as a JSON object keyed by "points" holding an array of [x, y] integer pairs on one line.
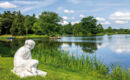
{"points": [[84, 64]]}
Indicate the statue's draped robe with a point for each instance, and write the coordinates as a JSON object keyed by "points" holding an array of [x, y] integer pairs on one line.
{"points": [[24, 65]]}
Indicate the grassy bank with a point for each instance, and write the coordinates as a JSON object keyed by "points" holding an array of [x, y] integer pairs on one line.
{"points": [[45, 36], [86, 65], [54, 73], [63, 67], [89, 34], [23, 36]]}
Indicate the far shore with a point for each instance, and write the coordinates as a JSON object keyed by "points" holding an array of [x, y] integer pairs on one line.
{"points": [[23, 36], [8, 36]]}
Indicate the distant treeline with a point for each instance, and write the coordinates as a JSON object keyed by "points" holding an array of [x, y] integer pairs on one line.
{"points": [[49, 23]]}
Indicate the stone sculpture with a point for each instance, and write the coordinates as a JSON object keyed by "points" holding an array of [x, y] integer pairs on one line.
{"points": [[24, 65]]}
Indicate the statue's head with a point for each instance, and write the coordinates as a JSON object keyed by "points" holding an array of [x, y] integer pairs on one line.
{"points": [[30, 44]]}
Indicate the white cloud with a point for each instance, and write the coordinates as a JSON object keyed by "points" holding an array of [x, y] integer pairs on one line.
{"points": [[121, 45], [65, 17], [121, 22], [65, 22], [7, 5], [81, 16], [72, 18], [75, 22], [100, 19], [120, 16], [105, 22], [68, 11], [65, 47], [68, 18]]}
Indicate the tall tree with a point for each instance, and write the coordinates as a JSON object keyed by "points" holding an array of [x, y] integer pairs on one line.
{"points": [[100, 28], [0, 24], [29, 22], [18, 25], [68, 28], [6, 20], [77, 29], [47, 23], [89, 25], [109, 29]]}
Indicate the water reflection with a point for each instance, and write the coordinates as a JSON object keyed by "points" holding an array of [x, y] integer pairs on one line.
{"points": [[82, 44], [121, 44], [8, 47], [106, 48]]}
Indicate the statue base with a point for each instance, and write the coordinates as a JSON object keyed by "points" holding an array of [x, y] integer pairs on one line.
{"points": [[26, 73]]}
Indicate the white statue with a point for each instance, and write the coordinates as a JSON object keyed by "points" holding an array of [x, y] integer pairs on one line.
{"points": [[24, 65]]}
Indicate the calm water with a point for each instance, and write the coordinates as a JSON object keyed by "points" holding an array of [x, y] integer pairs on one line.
{"points": [[113, 49]]}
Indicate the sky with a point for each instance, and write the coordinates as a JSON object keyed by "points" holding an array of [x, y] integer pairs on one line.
{"points": [[114, 13]]}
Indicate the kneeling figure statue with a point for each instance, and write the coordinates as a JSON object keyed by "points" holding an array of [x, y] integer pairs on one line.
{"points": [[24, 65]]}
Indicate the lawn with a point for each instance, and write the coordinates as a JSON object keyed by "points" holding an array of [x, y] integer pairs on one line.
{"points": [[54, 73], [6, 64]]}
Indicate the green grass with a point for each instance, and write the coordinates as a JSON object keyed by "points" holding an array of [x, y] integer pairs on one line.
{"points": [[61, 59], [34, 36], [88, 65], [64, 61], [23, 36], [89, 34], [54, 73], [61, 66], [99, 34]]}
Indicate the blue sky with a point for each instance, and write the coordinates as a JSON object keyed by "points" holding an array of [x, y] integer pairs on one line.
{"points": [[115, 13]]}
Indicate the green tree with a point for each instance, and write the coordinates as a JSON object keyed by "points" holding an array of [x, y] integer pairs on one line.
{"points": [[100, 28], [29, 22], [0, 24], [89, 25], [47, 23], [109, 29], [77, 29], [68, 28], [37, 29], [18, 25], [59, 29], [6, 20]]}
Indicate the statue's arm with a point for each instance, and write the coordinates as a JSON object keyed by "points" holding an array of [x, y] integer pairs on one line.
{"points": [[27, 55]]}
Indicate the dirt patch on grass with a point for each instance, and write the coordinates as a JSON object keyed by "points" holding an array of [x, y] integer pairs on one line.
{"points": [[1, 69]]}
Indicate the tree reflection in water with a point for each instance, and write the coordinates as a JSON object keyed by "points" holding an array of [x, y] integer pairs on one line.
{"points": [[87, 45]]}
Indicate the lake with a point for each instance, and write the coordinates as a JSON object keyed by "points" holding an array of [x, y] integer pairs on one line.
{"points": [[111, 50]]}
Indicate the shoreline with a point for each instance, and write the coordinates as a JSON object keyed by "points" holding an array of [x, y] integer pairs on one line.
{"points": [[57, 36], [22, 36], [55, 73]]}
